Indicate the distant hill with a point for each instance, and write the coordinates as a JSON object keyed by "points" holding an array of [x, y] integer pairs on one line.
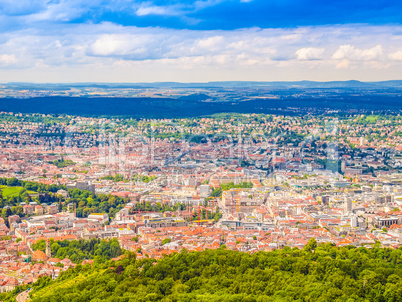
{"points": [[195, 97], [222, 84], [194, 105], [199, 99]]}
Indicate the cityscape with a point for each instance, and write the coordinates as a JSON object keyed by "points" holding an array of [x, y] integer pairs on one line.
{"points": [[249, 182], [201, 150]]}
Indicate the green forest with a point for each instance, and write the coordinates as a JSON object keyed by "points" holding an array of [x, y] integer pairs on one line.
{"points": [[158, 207], [79, 250], [136, 177], [225, 187], [315, 273], [14, 193], [86, 202], [62, 163]]}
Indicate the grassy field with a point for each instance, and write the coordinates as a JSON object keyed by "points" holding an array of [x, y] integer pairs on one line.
{"points": [[13, 191]]}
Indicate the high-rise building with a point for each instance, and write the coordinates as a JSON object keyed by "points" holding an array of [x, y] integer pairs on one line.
{"points": [[325, 199], [348, 206], [354, 223]]}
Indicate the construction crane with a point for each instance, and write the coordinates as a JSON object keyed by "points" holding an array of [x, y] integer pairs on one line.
{"points": [[233, 205], [238, 200], [199, 212]]}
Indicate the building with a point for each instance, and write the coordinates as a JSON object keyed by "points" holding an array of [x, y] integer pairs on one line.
{"points": [[231, 197], [28, 209], [343, 166], [100, 217], [38, 210], [205, 191], [348, 206], [385, 222], [164, 222], [52, 209], [13, 219], [323, 199], [82, 185], [48, 249], [39, 256], [71, 207], [354, 223], [63, 193]]}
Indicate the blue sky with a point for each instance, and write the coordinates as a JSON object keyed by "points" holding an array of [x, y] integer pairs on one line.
{"points": [[204, 40]]}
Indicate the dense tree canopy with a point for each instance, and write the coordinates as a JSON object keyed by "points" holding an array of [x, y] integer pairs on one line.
{"points": [[231, 185], [316, 273], [87, 203], [14, 193], [79, 250], [30, 185], [62, 163]]}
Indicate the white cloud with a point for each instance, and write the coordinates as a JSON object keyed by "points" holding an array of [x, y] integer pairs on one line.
{"points": [[7, 59], [252, 53], [310, 53], [61, 10], [396, 56], [179, 9], [108, 45], [201, 4], [157, 10], [210, 42], [120, 45], [344, 64], [352, 53]]}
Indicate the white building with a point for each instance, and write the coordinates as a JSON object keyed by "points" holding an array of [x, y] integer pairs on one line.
{"points": [[205, 191], [348, 206], [101, 217]]}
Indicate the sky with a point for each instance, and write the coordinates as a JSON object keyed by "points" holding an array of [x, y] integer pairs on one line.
{"points": [[199, 41]]}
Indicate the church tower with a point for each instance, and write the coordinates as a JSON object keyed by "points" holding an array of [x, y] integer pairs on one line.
{"points": [[48, 250]]}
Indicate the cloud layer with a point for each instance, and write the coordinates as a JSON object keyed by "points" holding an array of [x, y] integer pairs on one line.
{"points": [[104, 40]]}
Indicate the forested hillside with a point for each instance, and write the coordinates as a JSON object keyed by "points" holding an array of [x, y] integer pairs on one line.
{"points": [[323, 273], [163, 107], [79, 250]]}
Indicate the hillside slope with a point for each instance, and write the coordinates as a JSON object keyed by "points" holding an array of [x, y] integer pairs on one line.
{"points": [[323, 273]]}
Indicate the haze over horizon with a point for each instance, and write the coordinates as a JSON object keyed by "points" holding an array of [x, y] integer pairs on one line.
{"points": [[221, 83], [199, 41]]}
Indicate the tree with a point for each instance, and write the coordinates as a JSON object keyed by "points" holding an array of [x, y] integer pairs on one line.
{"points": [[216, 192], [311, 245], [166, 240], [289, 274]]}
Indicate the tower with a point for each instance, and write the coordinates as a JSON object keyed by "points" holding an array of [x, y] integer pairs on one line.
{"points": [[48, 250], [348, 206]]}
